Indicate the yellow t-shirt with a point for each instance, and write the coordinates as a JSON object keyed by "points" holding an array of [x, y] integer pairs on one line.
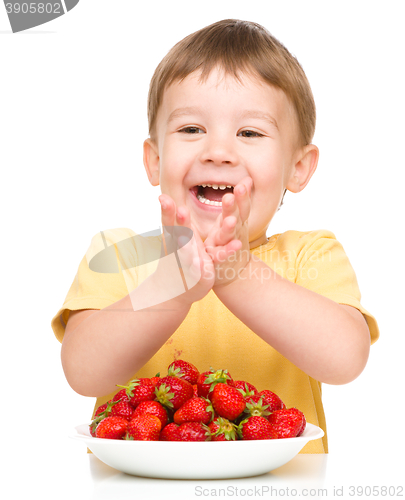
{"points": [[210, 335]]}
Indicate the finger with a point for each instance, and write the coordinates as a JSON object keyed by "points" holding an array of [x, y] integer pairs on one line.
{"points": [[183, 216], [225, 235], [168, 210], [223, 232], [229, 207], [227, 231], [221, 254], [189, 242], [203, 261], [183, 220], [242, 193]]}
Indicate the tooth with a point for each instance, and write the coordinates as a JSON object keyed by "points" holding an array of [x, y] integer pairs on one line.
{"points": [[204, 185], [222, 186], [214, 186], [228, 186], [201, 199]]}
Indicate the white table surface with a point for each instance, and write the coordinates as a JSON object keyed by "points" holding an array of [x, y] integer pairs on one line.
{"points": [[62, 469]]}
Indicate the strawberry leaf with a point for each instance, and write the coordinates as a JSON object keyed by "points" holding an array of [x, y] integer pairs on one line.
{"points": [[130, 387], [164, 396]]}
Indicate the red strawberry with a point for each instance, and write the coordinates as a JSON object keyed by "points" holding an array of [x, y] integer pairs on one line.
{"points": [[207, 381], [112, 428], [154, 408], [194, 431], [139, 390], [272, 400], [170, 433], [122, 409], [194, 410], [245, 388], [257, 428], [144, 427], [100, 409], [155, 380], [202, 388], [302, 417], [173, 392], [195, 390], [104, 410], [303, 425], [97, 419], [222, 430], [121, 396], [227, 401], [101, 413], [184, 369], [288, 423]]}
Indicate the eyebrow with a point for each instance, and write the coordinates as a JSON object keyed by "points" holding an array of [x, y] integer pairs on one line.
{"points": [[246, 114], [261, 116], [181, 112]]}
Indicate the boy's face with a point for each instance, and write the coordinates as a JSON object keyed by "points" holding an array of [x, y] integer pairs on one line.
{"points": [[218, 133]]}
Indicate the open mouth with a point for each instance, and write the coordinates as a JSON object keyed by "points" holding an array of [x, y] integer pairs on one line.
{"points": [[211, 194]]}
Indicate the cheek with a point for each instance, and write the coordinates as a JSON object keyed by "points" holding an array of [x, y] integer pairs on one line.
{"points": [[172, 176], [269, 179], [268, 190], [176, 156], [267, 164]]}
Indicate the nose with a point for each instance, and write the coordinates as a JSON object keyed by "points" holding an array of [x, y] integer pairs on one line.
{"points": [[219, 150]]}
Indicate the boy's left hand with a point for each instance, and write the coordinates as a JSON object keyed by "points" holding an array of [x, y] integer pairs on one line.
{"points": [[231, 225]]}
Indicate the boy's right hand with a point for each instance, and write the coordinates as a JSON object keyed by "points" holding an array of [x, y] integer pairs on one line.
{"points": [[197, 268]]}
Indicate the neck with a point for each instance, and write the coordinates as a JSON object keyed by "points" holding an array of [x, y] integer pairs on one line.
{"points": [[258, 241]]}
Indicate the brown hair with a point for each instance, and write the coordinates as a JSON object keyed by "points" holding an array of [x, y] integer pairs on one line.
{"points": [[236, 46]]}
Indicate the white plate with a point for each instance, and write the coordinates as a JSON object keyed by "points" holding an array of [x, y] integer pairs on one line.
{"points": [[191, 460]]}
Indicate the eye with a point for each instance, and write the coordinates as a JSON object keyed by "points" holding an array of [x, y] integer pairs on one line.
{"points": [[191, 130], [250, 133]]}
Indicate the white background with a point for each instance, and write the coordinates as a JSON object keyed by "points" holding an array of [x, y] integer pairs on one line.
{"points": [[72, 123]]}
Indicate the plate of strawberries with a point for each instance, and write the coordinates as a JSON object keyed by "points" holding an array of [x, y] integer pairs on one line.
{"points": [[192, 425]]}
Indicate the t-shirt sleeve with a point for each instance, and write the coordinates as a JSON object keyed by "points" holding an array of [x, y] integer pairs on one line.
{"points": [[324, 268], [91, 289]]}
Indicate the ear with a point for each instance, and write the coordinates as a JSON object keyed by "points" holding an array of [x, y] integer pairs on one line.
{"points": [[151, 161], [305, 164]]}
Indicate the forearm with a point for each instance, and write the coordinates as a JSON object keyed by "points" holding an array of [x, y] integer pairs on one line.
{"points": [[315, 333], [112, 344]]}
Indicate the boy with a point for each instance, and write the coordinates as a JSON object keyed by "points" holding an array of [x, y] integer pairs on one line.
{"points": [[231, 119]]}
